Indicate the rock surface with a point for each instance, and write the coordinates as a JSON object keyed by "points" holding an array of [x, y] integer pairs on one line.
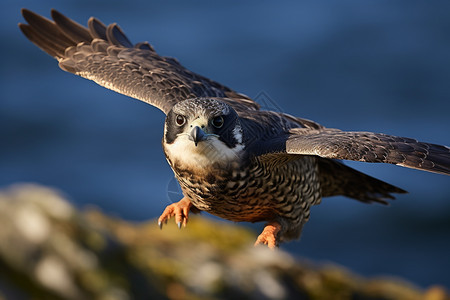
{"points": [[49, 250]]}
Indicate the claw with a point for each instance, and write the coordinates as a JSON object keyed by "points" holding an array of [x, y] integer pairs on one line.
{"points": [[269, 235], [179, 210]]}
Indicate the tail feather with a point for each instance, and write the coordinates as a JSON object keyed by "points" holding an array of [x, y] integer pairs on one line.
{"points": [[339, 179]]}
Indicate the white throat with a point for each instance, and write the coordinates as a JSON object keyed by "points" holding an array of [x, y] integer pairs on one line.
{"points": [[183, 152]]}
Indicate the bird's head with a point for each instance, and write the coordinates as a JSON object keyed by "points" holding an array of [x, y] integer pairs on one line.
{"points": [[202, 131]]}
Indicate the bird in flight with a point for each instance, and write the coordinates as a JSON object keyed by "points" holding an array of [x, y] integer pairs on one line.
{"points": [[231, 158]]}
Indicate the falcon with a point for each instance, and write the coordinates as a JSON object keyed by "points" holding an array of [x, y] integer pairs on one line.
{"points": [[231, 158]]}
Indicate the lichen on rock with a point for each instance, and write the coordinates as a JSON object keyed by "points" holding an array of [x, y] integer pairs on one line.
{"points": [[50, 250]]}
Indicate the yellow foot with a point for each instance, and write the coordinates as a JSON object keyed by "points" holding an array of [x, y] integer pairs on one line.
{"points": [[179, 210], [269, 235]]}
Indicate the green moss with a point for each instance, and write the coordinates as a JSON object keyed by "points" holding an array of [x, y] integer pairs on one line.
{"points": [[109, 258]]}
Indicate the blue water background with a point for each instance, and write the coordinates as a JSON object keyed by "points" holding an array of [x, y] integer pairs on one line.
{"points": [[380, 66]]}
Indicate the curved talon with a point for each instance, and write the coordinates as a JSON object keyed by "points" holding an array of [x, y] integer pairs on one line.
{"points": [[179, 210], [269, 235]]}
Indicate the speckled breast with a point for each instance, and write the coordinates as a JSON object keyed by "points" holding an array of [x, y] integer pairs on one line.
{"points": [[254, 191]]}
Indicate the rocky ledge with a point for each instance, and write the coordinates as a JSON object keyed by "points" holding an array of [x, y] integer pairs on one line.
{"points": [[49, 250]]}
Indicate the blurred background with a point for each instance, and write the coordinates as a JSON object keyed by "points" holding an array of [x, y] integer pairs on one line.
{"points": [[379, 66]]}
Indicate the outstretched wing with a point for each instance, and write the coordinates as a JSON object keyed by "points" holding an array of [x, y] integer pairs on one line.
{"points": [[105, 55], [369, 147]]}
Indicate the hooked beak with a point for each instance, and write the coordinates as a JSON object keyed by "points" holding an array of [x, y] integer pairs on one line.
{"points": [[197, 135]]}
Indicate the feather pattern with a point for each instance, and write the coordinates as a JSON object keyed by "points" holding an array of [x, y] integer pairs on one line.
{"points": [[105, 55], [370, 147]]}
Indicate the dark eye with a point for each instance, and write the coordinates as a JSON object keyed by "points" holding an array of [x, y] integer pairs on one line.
{"points": [[180, 120], [217, 121]]}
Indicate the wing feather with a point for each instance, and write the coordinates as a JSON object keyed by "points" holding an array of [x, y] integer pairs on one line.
{"points": [[105, 55], [369, 147]]}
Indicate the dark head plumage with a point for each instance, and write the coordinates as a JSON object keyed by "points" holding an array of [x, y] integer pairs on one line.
{"points": [[213, 117]]}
